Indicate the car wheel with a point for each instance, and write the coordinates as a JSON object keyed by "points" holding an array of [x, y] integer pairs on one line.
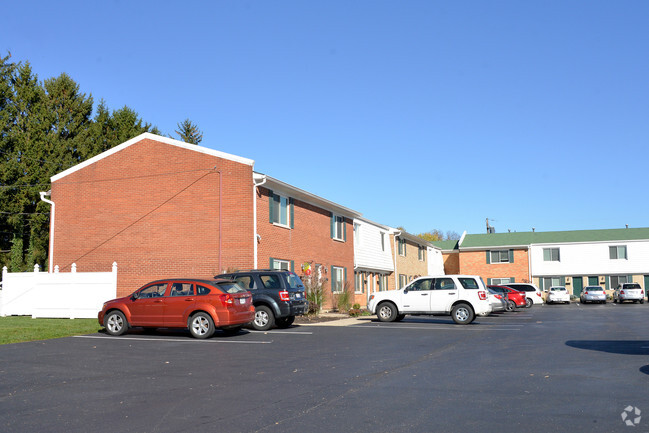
{"points": [[462, 314], [510, 306], [387, 312], [284, 322], [233, 330], [264, 318], [528, 302], [115, 323], [201, 325], [400, 317]]}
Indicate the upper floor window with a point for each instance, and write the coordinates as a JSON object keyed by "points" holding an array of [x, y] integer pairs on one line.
{"points": [[280, 210], [499, 256], [357, 234], [551, 255], [402, 246], [338, 227], [421, 253], [382, 241], [617, 252]]}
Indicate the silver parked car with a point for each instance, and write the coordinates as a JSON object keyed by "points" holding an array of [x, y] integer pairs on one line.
{"points": [[593, 294], [628, 292], [497, 301]]}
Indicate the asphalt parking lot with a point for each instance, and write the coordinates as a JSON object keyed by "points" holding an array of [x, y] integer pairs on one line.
{"points": [[550, 368]]}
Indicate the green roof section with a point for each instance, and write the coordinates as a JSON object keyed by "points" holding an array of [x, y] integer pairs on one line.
{"points": [[445, 245], [575, 236]]}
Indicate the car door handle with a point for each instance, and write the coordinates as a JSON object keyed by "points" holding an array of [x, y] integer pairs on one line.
{"points": [[157, 301], [189, 299], [424, 294], [451, 293]]}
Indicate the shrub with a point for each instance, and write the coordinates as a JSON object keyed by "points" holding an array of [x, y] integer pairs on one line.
{"points": [[314, 292]]}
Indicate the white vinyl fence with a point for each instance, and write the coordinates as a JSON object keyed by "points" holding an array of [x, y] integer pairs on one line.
{"points": [[56, 295]]}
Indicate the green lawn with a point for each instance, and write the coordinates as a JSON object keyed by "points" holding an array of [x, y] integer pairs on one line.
{"points": [[16, 329]]}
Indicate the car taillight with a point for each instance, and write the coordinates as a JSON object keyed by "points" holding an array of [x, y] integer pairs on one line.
{"points": [[482, 294], [283, 296], [538, 294], [585, 293], [621, 292], [498, 296], [227, 299]]}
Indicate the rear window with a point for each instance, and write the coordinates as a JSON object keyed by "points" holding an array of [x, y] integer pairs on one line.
{"points": [[523, 287], [271, 281], [230, 288], [469, 283], [594, 289], [632, 286], [293, 281]]}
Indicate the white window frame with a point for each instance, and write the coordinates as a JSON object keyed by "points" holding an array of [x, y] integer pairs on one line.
{"points": [[339, 282], [281, 208], [617, 249], [339, 227], [382, 241], [282, 265], [421, 253], [551, 255], [501, 281]]}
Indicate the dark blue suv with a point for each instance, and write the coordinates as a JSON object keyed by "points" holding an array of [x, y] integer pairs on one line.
{"points": [[278, 296]]}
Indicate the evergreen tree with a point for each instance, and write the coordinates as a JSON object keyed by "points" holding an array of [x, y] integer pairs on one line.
{"points": [[189, 132]]}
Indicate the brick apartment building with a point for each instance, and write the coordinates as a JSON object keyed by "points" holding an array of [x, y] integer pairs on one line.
{"points": [[163, 208]]}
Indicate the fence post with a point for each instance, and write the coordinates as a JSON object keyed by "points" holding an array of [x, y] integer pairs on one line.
{"points": [[73, 268]]}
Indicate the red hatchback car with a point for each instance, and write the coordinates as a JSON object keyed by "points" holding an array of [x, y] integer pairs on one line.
{"points": [[516, 297], [198, 305]]}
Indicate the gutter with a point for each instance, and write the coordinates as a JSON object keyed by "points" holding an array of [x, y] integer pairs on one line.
{"points": [[394, 246], [256, 236], [50, 202]]}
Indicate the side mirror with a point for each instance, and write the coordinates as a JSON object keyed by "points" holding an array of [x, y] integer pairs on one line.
{"points": [[405, 291], [134, 296]]}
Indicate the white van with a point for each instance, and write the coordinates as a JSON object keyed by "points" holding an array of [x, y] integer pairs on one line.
{"points": [[533, 293]]}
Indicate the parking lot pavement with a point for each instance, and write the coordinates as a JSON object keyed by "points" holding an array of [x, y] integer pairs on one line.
{"points": [[550, 368]]}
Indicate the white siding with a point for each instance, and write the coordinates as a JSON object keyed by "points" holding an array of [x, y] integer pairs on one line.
{"points": [[368, 253], [435, 261], [590, 259]]}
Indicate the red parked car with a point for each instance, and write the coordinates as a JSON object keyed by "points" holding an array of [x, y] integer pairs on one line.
{"points": [[515, 297], [201, 306]]}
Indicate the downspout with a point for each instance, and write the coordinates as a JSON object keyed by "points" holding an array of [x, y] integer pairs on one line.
{"points": [[396, 274], [220, 216], [50, 202], [256, 236]]}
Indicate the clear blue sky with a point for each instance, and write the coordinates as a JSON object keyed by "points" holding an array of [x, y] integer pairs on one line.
{"points": [[421, 114]]}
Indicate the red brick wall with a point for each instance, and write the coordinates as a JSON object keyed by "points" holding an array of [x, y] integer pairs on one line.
{"points": [[451, 263], [475, 263], [154, 209], [309, 241]]}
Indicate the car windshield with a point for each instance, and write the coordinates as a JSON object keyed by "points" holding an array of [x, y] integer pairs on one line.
{"points": [[293, 281], [230, 288]]}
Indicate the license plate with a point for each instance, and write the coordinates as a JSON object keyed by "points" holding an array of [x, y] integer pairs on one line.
{"points": [[298, 295], [242, 300]]}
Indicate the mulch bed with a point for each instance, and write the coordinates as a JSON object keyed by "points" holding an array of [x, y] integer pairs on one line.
{"points": [[311, 318]]}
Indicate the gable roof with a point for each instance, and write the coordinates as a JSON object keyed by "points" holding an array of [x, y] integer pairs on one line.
{"points": [[524, 239], [154, 137], [446, 245]]}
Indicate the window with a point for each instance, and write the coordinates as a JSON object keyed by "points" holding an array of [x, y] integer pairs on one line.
{"points": [[500, 281], [444, 284], [182, 289], [383, 282], [551, 255], [154, 291], [202, 290], [499, 256], [421, 253], [280, 210], [361, 282], [357, 234], [247, 282], [617, 252], [552, 281], [403, 281], [617, 280], [402, 247], [227, 288], [282, 265], [338, 227], [337, 279], [271, 281], [469, 283], [382, 241]]}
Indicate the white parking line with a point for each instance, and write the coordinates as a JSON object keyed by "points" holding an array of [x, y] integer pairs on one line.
{"points": [[281, 332], [193, 340], [433, 327]]}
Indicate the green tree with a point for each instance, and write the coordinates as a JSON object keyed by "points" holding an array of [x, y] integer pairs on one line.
{"points": [[189, 132], [432, 236]]}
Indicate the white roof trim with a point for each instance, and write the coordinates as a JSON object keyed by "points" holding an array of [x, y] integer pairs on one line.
{"points": [[305, 196], [159, 138]]}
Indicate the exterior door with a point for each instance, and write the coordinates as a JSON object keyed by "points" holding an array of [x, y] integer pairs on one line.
{"points": [[646, 284], [417, 297], [577, 285], [147, 309], [181, 297], [444, 294]]}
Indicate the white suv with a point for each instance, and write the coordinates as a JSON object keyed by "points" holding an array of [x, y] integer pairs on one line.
{"points": [[628, 292], [461, 296]]}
